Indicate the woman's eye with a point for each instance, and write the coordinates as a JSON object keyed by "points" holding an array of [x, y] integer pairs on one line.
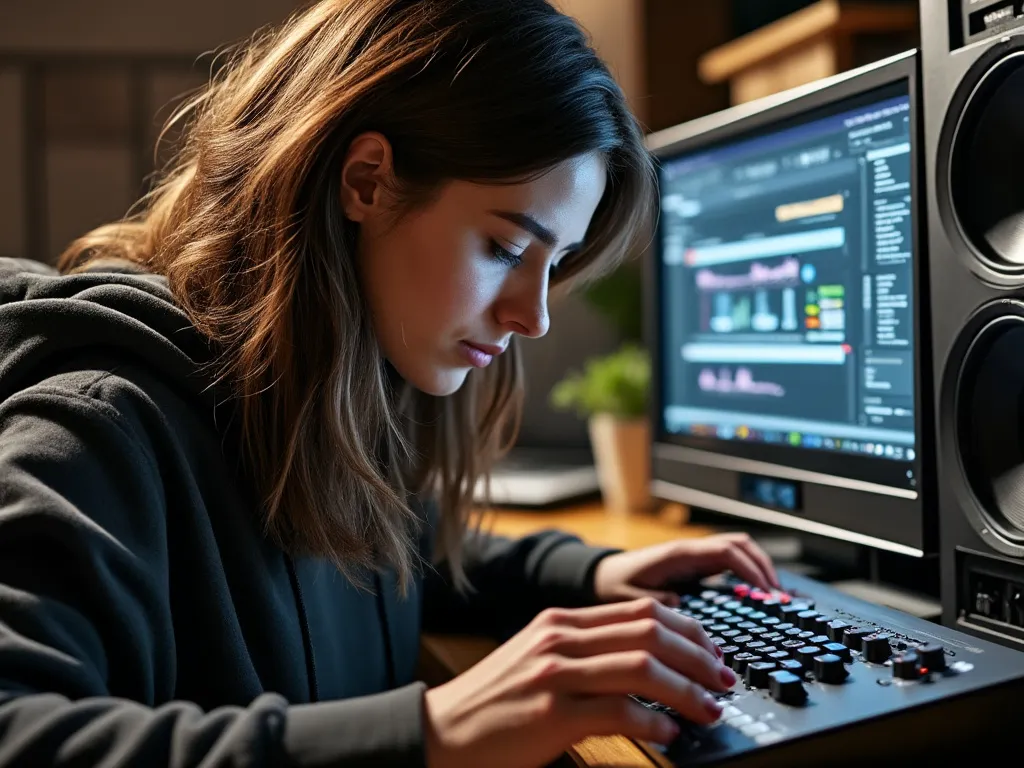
{"points": [[504, 255]]}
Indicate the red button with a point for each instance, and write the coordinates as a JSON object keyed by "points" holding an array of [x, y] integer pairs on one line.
{"points": [[741, 590]]}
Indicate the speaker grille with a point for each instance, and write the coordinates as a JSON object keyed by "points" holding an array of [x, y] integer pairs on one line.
{"points": [[987, 167], [990, 423]]}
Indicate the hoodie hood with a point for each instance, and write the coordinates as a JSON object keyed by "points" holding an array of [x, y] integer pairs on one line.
{"points": [[47, 318]]}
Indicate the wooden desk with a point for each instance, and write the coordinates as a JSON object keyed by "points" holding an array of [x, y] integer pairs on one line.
{"points": [[444, 657]]}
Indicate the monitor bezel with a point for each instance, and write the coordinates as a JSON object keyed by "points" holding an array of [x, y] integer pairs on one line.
{"points": [[910, 534]]}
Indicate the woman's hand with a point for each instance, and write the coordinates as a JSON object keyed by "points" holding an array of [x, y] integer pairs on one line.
{"points": [[644, 572], [568, 675]]}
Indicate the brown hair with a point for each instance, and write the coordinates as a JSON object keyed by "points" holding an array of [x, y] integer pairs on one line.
{"points": [[246, 224]]}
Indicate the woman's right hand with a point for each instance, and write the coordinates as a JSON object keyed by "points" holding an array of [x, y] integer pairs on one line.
{"points": [[568, 675]]}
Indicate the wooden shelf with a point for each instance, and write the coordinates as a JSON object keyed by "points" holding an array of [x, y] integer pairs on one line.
{"points": [[824, 39]]}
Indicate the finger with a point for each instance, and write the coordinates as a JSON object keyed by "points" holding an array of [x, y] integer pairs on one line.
{"points": [[759, 556], [736, 559], [632, 610], [673, 650], [639, 673], [669, 599], [620, 715]]}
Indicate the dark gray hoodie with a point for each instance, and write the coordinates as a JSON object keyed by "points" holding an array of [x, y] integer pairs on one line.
{"points": [[144, 620]]}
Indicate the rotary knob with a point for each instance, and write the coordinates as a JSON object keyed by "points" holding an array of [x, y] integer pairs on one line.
{"points": [[933, 657], [905, 666]]}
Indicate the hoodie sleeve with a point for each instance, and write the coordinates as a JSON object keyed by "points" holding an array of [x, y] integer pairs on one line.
{"points": [[87, 658], [512, 579]]}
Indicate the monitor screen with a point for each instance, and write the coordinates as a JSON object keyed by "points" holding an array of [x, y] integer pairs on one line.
{"points": [[786, 265]]}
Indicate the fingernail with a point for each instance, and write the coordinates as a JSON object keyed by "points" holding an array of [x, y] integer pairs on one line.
{"points": [[718, 650], [728, 677], [712, 705]]}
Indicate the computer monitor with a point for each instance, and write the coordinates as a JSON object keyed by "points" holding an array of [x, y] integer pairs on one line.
{"points": [[786, 315]]}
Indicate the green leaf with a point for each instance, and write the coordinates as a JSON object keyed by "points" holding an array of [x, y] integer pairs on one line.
{"points": [[617, 384]]}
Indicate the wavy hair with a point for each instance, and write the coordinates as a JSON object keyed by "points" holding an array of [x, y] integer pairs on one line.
{"points": [[245, 222]]}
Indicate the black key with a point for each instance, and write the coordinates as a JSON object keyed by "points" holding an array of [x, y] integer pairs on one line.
{"points": [[782, 626], [696, 605], [835, 630], [719, 627], [768, 649], [757, 631], [805, 619], [729, 633], [839, 650], [721, 599], [771, 637], [772, 607], [746, 625], [806, 655], [792, 645], [742, 639], [787, 688], [757, 672], [728, 653], [707, 622], [770, 621], [828, 668], [778, 656], [791, 665], [732, 605], [741, 660], [733, 620], [818, 640], [755, 646], [805, 635], [719, 641], [794, 632], [743, 610], [721, 615], [758, 616], [853, 636], [789, 612]]}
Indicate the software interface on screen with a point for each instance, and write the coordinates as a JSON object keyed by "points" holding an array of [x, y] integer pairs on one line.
{"points": [[788, 284]]}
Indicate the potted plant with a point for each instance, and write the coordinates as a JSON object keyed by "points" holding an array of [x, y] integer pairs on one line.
{"points": [[612, 394]]}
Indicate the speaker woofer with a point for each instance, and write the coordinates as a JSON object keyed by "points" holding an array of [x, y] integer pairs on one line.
{"points": [[986, 183], [989, 418]]}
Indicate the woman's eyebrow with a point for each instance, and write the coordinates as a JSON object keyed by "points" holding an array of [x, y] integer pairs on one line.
{"points": [[527, 222]]}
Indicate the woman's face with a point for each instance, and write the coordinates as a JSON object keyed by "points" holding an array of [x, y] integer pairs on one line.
{"points": [[450, 283]]}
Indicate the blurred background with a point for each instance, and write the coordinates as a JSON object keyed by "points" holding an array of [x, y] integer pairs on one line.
{"points": [[85, 86]]}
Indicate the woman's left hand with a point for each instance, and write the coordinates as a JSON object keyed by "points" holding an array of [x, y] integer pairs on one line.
{"points": [[644, 572]]}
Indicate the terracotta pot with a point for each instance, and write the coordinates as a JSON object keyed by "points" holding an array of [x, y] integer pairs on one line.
{"points": [[622, 449]]}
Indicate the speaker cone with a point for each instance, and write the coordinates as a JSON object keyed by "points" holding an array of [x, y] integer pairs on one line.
{"points": [[987, 166], [990, 421]]}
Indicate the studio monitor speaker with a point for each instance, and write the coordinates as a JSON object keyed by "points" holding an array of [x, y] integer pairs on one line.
{"points": [[972, 54]]}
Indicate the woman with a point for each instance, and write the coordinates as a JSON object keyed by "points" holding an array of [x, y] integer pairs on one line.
{"points": [[240, 430]]}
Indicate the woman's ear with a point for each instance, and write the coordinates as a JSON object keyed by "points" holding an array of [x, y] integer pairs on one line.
{"points": [[364, 175]]}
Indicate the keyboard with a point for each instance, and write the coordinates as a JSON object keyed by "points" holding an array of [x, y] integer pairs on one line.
{"points": [[827, 679]]}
